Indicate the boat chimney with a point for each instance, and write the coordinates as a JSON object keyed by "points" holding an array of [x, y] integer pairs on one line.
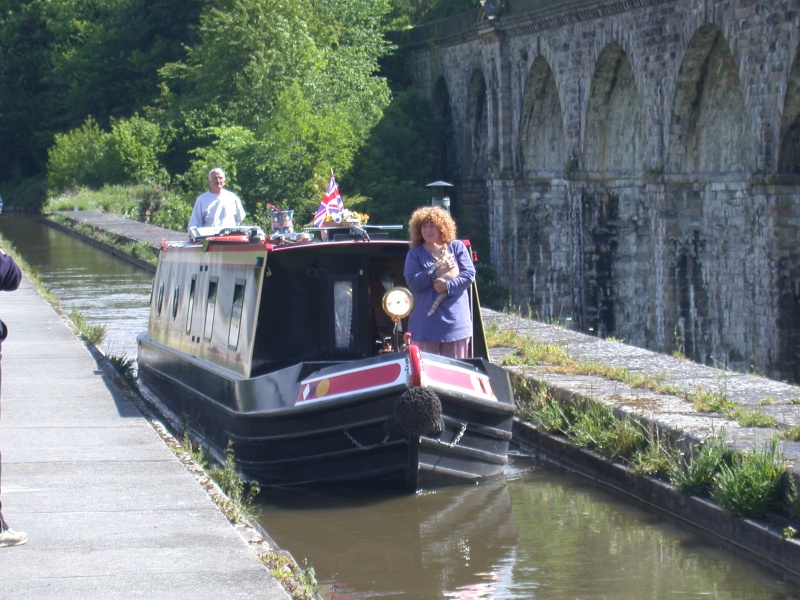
{"points": [[441, 194]]}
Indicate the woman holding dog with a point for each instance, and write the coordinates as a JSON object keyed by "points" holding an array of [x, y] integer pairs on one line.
{"points": [[448, 330]]}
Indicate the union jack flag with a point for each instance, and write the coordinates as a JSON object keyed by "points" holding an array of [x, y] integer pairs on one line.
{"points": [[331, 204]]}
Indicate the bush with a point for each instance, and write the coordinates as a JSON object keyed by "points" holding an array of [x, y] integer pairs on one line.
{"points": [[76, 158], [90, 157], [134, 148], [172, 212], [28, 194]]}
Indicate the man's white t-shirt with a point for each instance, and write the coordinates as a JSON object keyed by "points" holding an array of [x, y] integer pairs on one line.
{"points": [[217, 210]]}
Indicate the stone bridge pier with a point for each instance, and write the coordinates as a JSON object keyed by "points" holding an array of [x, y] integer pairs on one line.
{"points": [[632, 167]]}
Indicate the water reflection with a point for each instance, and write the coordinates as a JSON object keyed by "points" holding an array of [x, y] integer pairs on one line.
{"points": [[421, 546], [542, 533], [576, 541]]}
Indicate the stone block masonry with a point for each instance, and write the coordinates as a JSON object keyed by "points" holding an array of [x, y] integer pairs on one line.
{"points": [[632, 168]]}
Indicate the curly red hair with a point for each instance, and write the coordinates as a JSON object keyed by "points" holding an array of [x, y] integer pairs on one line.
{"points": [[433, 214]]}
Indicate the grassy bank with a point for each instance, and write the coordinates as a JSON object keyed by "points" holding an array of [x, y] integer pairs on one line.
{"points": [[753, 483]]}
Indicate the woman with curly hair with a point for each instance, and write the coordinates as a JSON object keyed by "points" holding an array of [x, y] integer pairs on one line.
{"points": [[448, 329]]}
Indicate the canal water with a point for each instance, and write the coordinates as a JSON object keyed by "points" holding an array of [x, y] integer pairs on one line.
{"points": [[540, 533], [104, 289]]}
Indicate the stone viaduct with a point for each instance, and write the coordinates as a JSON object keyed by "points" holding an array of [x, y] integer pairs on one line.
{"points": [[631, 166]]}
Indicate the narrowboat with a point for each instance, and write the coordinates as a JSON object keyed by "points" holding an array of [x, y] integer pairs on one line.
{"points": [[289, 351]]}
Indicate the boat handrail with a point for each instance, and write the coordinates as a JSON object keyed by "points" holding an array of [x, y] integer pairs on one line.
{"points": [[355, 231], [203, 233]]}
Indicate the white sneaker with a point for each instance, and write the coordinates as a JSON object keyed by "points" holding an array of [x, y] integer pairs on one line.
{"points": [[12, 538]]}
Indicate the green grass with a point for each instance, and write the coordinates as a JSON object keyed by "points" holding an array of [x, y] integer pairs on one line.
{"points": [[240, 494], [656, 458], [597, 428], [93, 332], [693, 470], [792, 434], [750, 486], [536, 405], [706, 400], [126, 367]]}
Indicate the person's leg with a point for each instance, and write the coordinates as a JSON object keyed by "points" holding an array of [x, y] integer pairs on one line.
{"points": [[430, 347], [8, 537], [3, 525], [456, 349]]}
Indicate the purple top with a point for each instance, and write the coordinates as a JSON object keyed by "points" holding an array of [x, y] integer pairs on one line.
{"points": [[452, 319], [10, 276]]}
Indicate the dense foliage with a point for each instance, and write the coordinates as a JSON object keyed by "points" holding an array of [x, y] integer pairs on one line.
{"points": [[277, 92]]}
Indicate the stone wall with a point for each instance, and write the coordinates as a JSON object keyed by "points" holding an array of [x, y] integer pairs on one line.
{"points": [[632, 168]]}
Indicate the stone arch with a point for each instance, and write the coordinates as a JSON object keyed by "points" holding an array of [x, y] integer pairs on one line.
{"points": [[709, 130], [476, 138], [615, 136], [789, 151], [444, 114], [542, 143]]}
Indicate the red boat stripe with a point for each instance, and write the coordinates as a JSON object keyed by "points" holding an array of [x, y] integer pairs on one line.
{"points": [[458, 379], [359, 380]]}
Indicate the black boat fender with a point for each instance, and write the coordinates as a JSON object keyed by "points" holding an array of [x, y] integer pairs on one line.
{"points": [[418, 411]]}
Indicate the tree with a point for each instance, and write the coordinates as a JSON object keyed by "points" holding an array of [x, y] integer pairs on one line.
{"points": [[62, 61], [300, 76], [399, 158], [25, 117]]}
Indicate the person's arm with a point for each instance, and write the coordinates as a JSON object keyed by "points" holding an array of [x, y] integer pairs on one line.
{"points": [[240, 213], [196, 220], [416, 273], [466, 269], [10, 273]]}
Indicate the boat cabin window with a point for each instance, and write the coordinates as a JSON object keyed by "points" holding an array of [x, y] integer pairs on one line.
{"points": [[160, 303], [324, 304], [343, 301], [236, 314], [190, 308], [211, 306], [176, 294]]}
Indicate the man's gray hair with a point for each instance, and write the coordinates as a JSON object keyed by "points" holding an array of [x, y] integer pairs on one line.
{"points": [[216, 170]]}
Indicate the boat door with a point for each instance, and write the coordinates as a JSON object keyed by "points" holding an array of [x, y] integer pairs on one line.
{"points": [[344, 306]]}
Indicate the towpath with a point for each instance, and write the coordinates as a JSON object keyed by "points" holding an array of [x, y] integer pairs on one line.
{"points": [[109, 509]]}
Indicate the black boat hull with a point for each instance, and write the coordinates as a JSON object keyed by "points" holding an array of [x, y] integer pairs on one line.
{"points": [[338, 441]]}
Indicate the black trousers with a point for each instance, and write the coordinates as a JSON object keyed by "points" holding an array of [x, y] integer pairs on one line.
{"points": [[3, 525]]}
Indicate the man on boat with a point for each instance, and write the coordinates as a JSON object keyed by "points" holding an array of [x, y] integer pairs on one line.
{"points": [[217, 207]]}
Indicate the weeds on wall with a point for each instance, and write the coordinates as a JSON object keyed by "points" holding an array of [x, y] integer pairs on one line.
{"points": [[745, 484], [749, 485], [93, 332], [236, 503], [240, 493], [126, 367], [694, 470]]}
